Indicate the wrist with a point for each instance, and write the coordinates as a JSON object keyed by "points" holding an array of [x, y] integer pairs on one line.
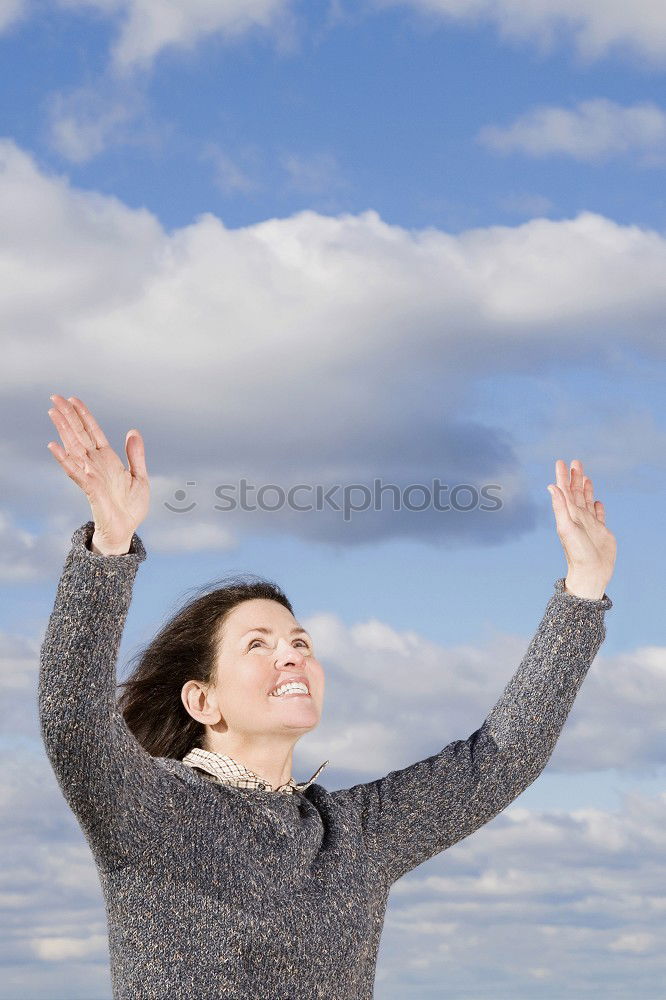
{"points": [[103, 548], [590, 588]]}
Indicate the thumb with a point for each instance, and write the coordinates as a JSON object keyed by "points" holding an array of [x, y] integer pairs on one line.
{"points": [[136, 454]]}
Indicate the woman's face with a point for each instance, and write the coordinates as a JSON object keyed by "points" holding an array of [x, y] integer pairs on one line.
{"points": [[263, 647]]}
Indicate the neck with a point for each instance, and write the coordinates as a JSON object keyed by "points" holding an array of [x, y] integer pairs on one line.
{"points": [[270, 761]]}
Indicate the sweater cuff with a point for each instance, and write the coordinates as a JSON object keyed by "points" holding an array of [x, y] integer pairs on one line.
{"points": [[82, 538], [600, 603]]}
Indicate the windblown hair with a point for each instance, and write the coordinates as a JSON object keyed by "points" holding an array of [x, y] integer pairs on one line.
{"points": [[184, 649]]}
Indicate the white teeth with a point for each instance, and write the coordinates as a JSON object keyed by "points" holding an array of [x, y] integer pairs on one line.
{"points": [[291, 686]]}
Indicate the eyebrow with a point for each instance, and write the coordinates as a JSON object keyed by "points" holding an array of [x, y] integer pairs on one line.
{"points": [[268, 631]]}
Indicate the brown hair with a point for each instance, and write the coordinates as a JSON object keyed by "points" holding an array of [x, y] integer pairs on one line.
{"points": [[184, 649]]}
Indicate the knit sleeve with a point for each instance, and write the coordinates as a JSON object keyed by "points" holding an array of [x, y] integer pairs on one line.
{"points": [[114, 787], [413, 814]]}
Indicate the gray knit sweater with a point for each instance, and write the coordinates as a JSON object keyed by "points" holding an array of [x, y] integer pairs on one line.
{"points": [[214, 891]]}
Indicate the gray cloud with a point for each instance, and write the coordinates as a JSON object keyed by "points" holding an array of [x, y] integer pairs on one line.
{"points": [[310, 349]]}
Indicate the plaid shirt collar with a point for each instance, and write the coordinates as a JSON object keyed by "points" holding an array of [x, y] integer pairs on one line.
{"points": [[223, 769]]}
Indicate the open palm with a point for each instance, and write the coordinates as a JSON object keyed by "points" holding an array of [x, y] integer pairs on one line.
{"points": [[119, 497], [590, 548]]}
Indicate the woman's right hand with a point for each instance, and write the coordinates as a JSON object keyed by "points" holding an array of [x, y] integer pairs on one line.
{"points": [[119, 497]]}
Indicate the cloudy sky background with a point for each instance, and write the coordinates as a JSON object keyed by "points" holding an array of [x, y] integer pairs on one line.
{"points": [[325, 243]]}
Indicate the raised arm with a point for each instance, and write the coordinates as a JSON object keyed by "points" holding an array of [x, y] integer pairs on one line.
{"points": [[412, 814], [117, 791]]}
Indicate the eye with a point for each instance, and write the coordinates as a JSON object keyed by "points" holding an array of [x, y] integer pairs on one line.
{"points": [[261, 640]]}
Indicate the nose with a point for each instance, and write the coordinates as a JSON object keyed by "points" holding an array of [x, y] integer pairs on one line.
{"points": [[287, 655]]}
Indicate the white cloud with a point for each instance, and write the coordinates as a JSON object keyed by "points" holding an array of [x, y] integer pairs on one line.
{"points": [[545, 899], [21, 551], [84, 122], [593, 131], [616, 721], [169, 536], [617, 433], [597, 26], [526, 204], [317, 173], [296, 333], [636, 943], [248, 170], [230, 174], [65, 949], [11, 11], [147, 27]]}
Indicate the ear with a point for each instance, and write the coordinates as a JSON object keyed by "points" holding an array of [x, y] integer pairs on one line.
{"points": [[193, 697]]}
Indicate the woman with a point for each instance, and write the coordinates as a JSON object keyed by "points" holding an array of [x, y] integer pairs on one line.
{"points": [[223, 877]]}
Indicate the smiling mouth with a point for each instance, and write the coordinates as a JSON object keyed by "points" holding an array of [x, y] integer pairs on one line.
{"points": [[290, 694]]}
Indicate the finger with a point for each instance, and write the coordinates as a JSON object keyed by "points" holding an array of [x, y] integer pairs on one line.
{"points": [[561, 475], [136, 454], [560, 507], [577, 483], [94, 430], [599, 511], [563, 481], [73, 470], [71, 442], [588, 491], [73, 419]]}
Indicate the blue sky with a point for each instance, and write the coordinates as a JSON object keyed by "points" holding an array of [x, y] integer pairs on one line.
{"points": [[322, 243]]}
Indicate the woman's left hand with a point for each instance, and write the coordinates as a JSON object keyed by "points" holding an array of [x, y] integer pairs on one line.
{"points": [[590, 548]]}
